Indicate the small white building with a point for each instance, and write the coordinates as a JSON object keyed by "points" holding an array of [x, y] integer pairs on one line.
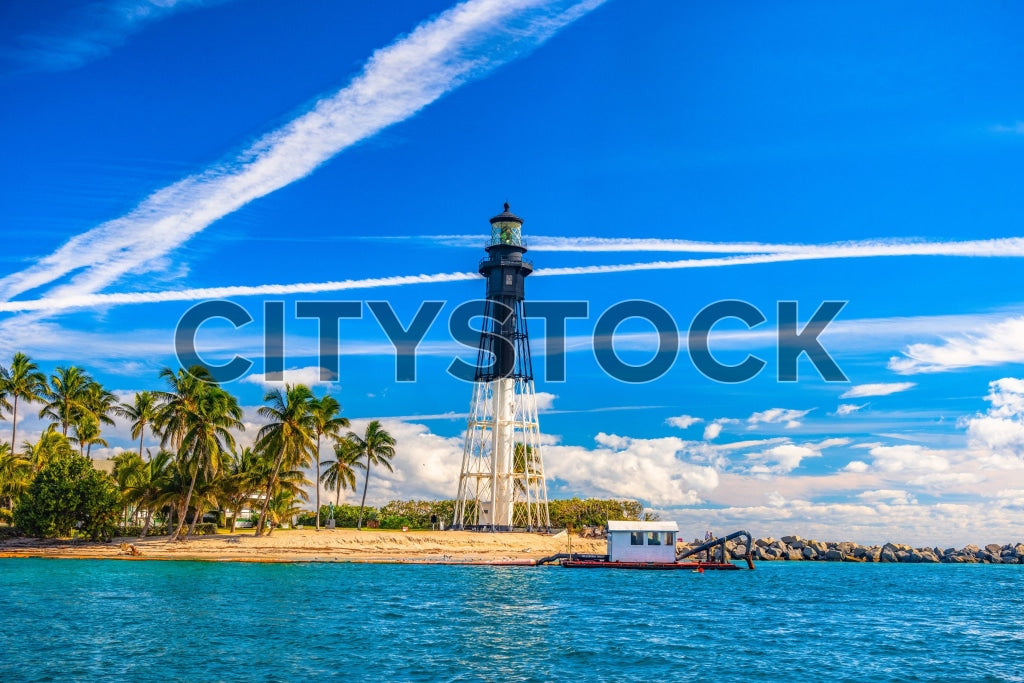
{"points": [[642, 541]]}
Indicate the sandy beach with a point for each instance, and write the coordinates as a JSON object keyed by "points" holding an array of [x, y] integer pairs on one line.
{"points": [[308, 545]]}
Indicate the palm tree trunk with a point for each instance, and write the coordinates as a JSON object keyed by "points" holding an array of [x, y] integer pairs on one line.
{"points": [[317, 482], [192, 527], [149, 522], [362, 504], [14, 424], [262, 523], [140, 441], [188, 499]]}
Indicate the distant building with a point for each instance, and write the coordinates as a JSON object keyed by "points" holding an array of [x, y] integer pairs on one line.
{"points": [[642, 541]]}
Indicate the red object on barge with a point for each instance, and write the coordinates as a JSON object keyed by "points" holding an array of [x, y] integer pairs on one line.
{"points": [[605, 564]]}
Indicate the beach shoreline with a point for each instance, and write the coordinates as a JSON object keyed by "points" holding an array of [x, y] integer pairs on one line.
{"points": [[308, 545]]}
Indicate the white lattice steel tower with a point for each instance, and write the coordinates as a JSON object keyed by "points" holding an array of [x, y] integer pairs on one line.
{"points": [[502, 485]]}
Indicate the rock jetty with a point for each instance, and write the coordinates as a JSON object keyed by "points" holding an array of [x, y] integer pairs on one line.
{"points": [[796, 548]]}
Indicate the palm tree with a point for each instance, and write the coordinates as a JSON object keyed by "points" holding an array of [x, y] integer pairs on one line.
{"points": [[284, 505], [15, 475], [328, 422], [87, 432], [178, 403], [377, 447], [207, 440], [145, 488], [244, 477], [340, 473], [21, 381], [142, 412], [66, 397], [288, 438], [50, 445], [130, 470], [100, 403]]}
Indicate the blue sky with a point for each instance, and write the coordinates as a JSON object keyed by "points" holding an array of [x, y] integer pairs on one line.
{"points": [[158, 154]]}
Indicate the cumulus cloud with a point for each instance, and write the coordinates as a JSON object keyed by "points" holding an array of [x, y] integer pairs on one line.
{"points": [[1000, 430], [992, 344], [883, 389], [849, 408], [653, 470], [908, 458], [891, 496], [712, 431], [683, 421], [790, 418], [545, 400], [311, 376], [783, 458]]}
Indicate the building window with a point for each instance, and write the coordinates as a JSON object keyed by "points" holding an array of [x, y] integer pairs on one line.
{"points": [[653, 538], [636, 538]]}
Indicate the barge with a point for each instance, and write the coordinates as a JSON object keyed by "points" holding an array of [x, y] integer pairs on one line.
{"points": [[652, 545]]}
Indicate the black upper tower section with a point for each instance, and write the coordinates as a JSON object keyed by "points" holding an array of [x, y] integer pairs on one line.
{"points": [[504, 344]]}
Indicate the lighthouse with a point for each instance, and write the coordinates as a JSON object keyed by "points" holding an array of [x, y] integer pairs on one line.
{"points": [[501, 484]]}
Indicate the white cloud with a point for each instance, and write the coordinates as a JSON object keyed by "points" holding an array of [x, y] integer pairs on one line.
{"points": [[992, 344], [311, 376], [908, 458], [891, 496], [683, 421], [781, 459], [882, 389], [857, 466], [1000, 430], [790, 418], [463, 43], [849, 408], [545, 401], [653, 470], [785, 457], [712, 431]]}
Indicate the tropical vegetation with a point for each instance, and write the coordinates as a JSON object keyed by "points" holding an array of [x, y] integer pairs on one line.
{"points": [[198, 468], [188, 473]]}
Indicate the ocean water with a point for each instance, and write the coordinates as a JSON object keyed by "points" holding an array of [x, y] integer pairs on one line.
{"points": [[90, 620]]}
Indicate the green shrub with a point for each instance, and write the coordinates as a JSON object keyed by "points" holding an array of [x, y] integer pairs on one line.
{"points": [[66, 495]]}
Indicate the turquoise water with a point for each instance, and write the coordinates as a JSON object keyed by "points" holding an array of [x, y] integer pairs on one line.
{"points": [[85, 620]]}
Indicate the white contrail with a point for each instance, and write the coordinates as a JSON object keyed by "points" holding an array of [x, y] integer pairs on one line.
{"points": [[1011, 247], [203, 293], [461, 44]]}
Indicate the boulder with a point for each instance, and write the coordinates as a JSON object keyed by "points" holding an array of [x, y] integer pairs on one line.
{"points": [[834, 555], [764, 542], [808, 553], [794, 554], [790, 540]]}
